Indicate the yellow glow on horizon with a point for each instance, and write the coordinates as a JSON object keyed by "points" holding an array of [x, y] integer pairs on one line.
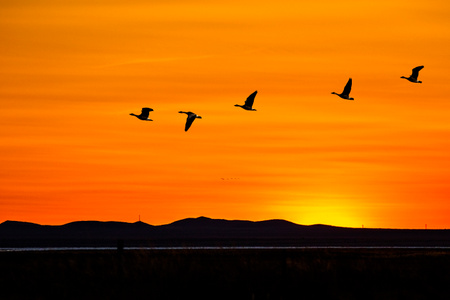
{"points": [[335, 215], [321, 208]]}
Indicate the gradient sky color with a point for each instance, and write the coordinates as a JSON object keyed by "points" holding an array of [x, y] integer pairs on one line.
{"points": [[72, 71]]}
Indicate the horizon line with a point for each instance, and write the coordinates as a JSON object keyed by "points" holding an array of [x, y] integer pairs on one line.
{"points": [[229, 220]]}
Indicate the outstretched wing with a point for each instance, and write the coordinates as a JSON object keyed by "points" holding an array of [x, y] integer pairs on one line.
{"points": [[250, 99], [189, 120], [145, 112], [348, 87], [415, 71]]}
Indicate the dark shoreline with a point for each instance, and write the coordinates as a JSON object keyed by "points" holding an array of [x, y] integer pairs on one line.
{"points": [[203, 231], [319, 241], [341, 263], [227, 274]]}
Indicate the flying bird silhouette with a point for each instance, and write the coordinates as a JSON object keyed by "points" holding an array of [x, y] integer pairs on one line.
{"points": [[346, 93], [414, 75], [190, 118], [249, 102], [144, 114]]}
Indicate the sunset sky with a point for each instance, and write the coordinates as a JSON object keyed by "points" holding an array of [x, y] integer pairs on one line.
{"points": [[71, 72]]}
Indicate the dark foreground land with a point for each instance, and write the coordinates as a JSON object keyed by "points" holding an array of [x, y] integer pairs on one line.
{"points": [[227, 274]]}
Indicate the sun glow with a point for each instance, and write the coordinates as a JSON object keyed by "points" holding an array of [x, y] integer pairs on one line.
{"points": [[335, 215], [336, 210]]}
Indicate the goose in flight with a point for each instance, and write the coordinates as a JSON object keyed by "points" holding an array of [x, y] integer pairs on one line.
{"points": [[190, 118], [249, 102], [346, 93], [144, 114], [414, 75]]}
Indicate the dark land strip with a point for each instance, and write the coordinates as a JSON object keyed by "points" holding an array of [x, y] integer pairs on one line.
{"points": [[227, 274]]}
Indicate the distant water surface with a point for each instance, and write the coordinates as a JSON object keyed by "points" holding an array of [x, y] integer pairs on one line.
{"points": [[30, 249]]}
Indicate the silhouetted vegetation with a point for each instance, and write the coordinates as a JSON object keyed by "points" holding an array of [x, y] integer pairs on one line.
{"points": [[227, 274]]}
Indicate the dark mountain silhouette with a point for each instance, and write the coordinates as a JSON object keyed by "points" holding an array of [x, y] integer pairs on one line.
{"points": [[204, 231], [213, 225]]}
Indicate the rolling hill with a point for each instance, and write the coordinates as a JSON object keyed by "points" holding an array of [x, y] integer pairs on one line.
{"points": [[204, 231]]}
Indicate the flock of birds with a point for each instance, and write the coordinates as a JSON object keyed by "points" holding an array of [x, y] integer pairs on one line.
{"points": [[248, 105]]}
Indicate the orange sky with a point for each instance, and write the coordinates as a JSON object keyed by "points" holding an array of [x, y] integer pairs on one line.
{"points": [[72, 71]]}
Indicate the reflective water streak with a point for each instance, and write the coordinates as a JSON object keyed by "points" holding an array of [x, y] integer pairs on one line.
{"points": [[30, 249]]}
